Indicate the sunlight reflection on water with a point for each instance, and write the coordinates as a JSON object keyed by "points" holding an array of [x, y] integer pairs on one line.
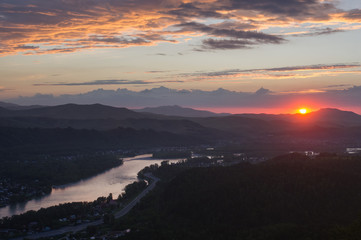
{"points": [[112, 181]]}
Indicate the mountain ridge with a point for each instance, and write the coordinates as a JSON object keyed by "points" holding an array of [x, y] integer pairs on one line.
{"points": [[77, 111], [176, 110], [102, 117], [13, 106], [323, 116]]}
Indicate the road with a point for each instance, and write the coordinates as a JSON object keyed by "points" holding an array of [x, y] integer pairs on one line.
{"points": [[83, 226]]}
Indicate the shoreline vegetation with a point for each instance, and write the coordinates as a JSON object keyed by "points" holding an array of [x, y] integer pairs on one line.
{"points": [[34, 177], [69, 214]]}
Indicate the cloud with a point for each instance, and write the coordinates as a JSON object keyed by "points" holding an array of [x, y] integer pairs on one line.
{"points": [[222, 32], [318, 32], [236, 38], [310, 67], [118, 40], [107, 82], [189, 10], [294, 9], [338, 85], [156, 71], [72, 25], [65, 26], [211, 43], [24, 47], [354, 14], [274, 72], [298, 9], [4, 89]]}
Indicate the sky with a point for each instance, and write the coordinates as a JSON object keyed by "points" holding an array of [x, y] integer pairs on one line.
{"points": [[221, 55]]}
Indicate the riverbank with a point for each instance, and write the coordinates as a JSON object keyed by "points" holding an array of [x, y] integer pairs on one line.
{"points": [[107, 205], [111, 208], [112, 181], [23, 180], [87, 190], [117, 208]]}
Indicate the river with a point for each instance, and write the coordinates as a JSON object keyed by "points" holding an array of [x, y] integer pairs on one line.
{"points": [[112, 181]]}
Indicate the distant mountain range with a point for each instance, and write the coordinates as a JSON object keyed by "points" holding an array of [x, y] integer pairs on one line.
{"points": [[326, 127], [325, 117], [74, 111], [176, 110], [159, 96], [98, 117], [13, 106]]}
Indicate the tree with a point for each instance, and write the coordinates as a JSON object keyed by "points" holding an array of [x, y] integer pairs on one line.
{"points": [[110, 197], [109, 219]]}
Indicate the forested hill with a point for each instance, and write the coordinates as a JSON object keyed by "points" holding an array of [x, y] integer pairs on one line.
{"points": [[42, 140], [45, 157], [180, 111], [289, 197], [75, 111]]}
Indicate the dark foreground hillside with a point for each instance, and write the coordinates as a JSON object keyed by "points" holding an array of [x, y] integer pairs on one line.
{"points": [[289, 197], [43, 140], [37, 158]]}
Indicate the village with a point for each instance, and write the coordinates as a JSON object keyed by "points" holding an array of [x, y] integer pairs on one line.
{"points": [[12, 191]]}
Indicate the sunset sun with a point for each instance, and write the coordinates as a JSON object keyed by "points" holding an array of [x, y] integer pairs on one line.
{"points": [[303, 110]]}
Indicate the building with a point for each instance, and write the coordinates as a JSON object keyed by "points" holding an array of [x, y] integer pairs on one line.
{"points": [[353, 150]]}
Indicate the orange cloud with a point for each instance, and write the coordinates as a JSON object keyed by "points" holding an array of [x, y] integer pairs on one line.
{"points": [[60, 26], [293, 72]]}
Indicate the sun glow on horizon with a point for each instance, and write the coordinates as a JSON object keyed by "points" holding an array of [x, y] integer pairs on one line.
{"points": [[303, 110]]}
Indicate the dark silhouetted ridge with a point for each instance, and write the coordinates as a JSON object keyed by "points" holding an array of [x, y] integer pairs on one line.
{"points": [[333, 116], [176, 110], [74, 111]]}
